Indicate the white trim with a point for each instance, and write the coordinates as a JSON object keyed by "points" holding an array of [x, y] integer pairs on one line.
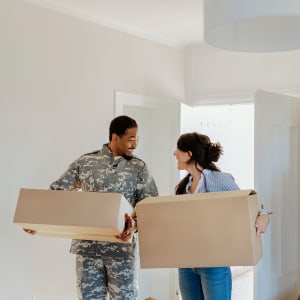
{"points": [[74, 12], [223, 99], [237, 97], [124, 98]]}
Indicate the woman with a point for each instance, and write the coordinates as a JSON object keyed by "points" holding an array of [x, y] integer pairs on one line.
{"points": [[197, 155]]}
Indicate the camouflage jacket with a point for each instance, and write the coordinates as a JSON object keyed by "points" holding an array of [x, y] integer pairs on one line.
{"points": [[101, 171]]}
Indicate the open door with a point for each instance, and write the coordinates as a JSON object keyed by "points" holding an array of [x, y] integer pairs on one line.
{"points": [[277, 183]]}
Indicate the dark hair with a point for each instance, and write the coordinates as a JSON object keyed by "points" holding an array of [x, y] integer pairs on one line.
{"points": [[120, 124], [204, 153]]}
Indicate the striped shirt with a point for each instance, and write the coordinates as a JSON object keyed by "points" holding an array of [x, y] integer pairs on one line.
{"points": [[214, 181]]}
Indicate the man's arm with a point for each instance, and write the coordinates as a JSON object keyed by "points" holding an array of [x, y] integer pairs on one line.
{"points": [[69, 180]]}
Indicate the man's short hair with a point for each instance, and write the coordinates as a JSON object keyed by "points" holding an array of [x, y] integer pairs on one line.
{"points": [[120, 124]]}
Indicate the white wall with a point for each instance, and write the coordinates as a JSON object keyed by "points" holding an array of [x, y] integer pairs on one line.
{"points": [[57, 81], [233, 127], [214, 74], [58, 76]]}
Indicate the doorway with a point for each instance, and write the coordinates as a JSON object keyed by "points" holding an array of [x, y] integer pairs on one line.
{"points": [[233, 126], [160, 120], [276, 129], [158, 128]]}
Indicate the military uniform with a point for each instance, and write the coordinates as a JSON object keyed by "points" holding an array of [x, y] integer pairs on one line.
{"points": [[103, 266]]}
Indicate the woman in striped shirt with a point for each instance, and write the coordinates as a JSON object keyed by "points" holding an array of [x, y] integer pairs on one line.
{"points": [[197, 155]]}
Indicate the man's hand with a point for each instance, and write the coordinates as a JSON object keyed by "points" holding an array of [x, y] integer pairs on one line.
{"points": [[30, 231], [129, 229]]}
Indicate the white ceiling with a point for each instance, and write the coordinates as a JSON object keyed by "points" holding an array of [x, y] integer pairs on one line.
{"points": [[176, 23]]}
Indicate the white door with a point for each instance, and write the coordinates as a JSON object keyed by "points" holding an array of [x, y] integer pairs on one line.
{"points": [[276, 181]]}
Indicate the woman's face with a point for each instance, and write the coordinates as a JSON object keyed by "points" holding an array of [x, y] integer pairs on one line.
{"points": [[183, 159]]}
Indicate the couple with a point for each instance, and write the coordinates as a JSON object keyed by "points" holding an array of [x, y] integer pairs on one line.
{"points": [[106, 269]]}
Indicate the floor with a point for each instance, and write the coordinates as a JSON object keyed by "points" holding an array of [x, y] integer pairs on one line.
{"points": [[242, 283]]}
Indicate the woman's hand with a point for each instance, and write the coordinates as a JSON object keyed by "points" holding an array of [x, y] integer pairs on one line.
{"points": [[261, 224], [129, 229]]}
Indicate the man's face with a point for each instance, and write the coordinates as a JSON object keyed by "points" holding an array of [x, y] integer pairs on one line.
{"points": [[126, 144]]}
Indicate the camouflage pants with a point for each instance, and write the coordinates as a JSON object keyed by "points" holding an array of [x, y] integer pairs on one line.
{"points": [[102, 278]]}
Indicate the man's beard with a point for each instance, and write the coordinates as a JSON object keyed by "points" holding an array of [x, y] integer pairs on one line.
{"points": [[127, 157]]}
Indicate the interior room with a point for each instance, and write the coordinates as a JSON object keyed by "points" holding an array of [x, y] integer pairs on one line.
{"points": [[69, 67]]}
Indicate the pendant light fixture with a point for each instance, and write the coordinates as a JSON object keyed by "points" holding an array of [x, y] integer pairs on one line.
{"points": [[252, 25]]}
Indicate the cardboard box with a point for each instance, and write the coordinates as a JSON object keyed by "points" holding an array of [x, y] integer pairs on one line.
{"points": [[199, 230], [72, 214]]}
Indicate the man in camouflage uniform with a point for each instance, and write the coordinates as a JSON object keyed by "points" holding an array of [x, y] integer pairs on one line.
{"points": [[107, 268]]}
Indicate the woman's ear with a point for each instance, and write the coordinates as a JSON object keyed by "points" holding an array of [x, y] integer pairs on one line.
{"points": [[190, 153]]}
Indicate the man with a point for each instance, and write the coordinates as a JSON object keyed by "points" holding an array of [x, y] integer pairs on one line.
{"points": [[106, 268]]}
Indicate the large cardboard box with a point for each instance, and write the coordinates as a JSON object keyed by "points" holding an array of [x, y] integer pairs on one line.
{"points": [[72, 214], [199, 230]]}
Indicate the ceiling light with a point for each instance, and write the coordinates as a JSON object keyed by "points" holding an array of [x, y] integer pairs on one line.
{"points": [[252, 25]]}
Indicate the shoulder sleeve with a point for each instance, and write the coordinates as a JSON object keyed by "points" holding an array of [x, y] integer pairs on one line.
{"points": [[220, 182], [229, 183], [69, 180], [146, 184]]}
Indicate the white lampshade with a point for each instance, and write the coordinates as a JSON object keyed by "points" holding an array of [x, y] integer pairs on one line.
{"points": [[252, 25]]}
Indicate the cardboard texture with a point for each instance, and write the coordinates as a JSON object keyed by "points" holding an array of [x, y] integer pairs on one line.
{"points": [[72, 214], [199, 230]]}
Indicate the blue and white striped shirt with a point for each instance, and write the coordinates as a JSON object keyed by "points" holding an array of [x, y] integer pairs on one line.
{"points": [[214, 181]]}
